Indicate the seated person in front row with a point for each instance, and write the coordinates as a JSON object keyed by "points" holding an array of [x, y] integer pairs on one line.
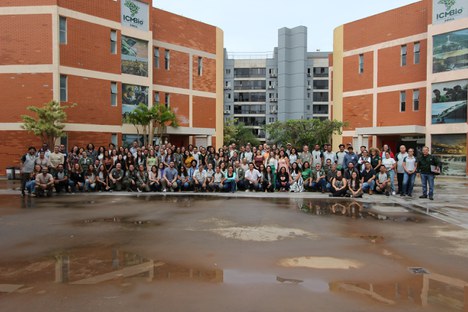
{"points": [[44, 183], [382, 181], [368, 178]]}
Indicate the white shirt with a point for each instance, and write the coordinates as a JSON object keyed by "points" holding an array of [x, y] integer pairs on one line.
{"points": [[400, 158], [252, 175], [199, 176], [388, 163], [410, 163], [329, 155]]}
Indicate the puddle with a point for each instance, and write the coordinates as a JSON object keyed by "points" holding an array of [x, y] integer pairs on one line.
{"points": [[130, 221], [322, 263]]}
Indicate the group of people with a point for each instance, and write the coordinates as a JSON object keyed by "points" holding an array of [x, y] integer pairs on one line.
{"points": [[263, 168]]}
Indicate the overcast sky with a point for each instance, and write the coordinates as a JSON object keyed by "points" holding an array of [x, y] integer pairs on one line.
{"points": [[252, 25]]}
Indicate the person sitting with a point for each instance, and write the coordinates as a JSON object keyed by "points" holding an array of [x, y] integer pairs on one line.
{"points": [[318, 179], [268, 180], [44, 183], [209, 175], [331, 174], [282, 180], [116, 178], [306, 176], [90, 179], [199, 179], [102, 179], [154, 180], [60, 179], [143, 182], [252, 179], [169, 180], [216, 184], [382, 182], [295, 179], [184, 180], [229, 181], [339, 185], [77, 179], [31, 184], [354, 186], [368, 178], [349, 171], [130, 179]]}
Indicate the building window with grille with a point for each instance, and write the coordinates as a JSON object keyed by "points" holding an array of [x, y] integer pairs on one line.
{"points": [[167, 59], [402, 101], [113, 93], [361, 63], [156, 98], [156, 57], [113, 41], [200, 66], [63, 30], [417, 55], [403, 55], [415, 100], [63, 88]]}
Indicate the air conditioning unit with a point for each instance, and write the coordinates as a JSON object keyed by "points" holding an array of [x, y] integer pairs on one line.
{"points": [[273, 111], [227, 112], [309, 87]]}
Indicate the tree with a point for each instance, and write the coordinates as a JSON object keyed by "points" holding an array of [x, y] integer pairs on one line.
{"points": [[161, 117], [49, 123], [140, 117], [237, 132], [302, 132]]}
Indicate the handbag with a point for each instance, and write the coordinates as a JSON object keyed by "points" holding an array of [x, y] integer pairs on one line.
{"points": [[435, 170]]}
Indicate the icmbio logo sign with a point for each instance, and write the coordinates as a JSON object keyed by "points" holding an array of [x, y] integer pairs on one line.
{"points": [[135, 14], [448, 10]]}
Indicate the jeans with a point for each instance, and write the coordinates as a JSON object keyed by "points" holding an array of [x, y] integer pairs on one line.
{"points": [[230, 186], [425, 179], [391, 173], [368, 186], [31, 186], [400, 178], [321, 184], [408, 183]]}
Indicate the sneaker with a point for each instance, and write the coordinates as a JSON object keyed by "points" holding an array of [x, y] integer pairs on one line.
{"points": [[387, 194], [431, 198], [423, 196], [410, 195], [138, 189], [247, 190], [164, 190], [402, 195], [393, 193]]}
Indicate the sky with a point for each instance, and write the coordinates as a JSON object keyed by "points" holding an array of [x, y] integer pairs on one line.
{"points": [[251, 26]]}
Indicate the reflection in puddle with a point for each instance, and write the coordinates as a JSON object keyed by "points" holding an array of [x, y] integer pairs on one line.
{"points": [[354, 210], [441, 292]]}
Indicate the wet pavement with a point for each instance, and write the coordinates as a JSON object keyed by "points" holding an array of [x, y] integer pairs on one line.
{"points": [[250, 252]]}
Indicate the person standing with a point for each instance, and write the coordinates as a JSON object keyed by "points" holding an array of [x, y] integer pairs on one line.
{"points": [[409, 165], [400, 170], [27, 167], [428, 165]]}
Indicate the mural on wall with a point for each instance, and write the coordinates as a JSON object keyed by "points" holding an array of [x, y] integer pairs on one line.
{"points": [[132, 96], [450, 51], [449, 102], [134, 56], [451, 149]]}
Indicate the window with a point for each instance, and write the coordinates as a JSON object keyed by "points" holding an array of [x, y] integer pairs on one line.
{"points": [[320, 84], [63, 30], [403, 55], [114, 138], [113, 41], [228, 71], [156, 97], [402, 101], [156, 57], [200, 66], [417, 47], [167, 99], [309, 74], [415, 100], [63, 88], [308, 107], [361, 63], [167, 59], [113, 93]]}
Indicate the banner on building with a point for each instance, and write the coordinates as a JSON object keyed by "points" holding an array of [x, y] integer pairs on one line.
{"points": [[132, 96], [134, 56], [135, 14], [448, 10], [451, 149], [449, 101], [450, 51]]}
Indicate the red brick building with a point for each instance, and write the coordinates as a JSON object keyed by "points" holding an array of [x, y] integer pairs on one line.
{"points": [[107, 56], [387, 70]]}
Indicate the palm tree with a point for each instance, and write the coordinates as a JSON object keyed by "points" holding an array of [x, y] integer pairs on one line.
{"points": [[140, 117], [161, 117]]}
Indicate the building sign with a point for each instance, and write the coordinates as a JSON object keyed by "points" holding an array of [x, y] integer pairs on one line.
{"points": [[451, 149], [448, 10], [450, 51], [134, 56], [449, 102], [132, 96], [135, 14]]}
